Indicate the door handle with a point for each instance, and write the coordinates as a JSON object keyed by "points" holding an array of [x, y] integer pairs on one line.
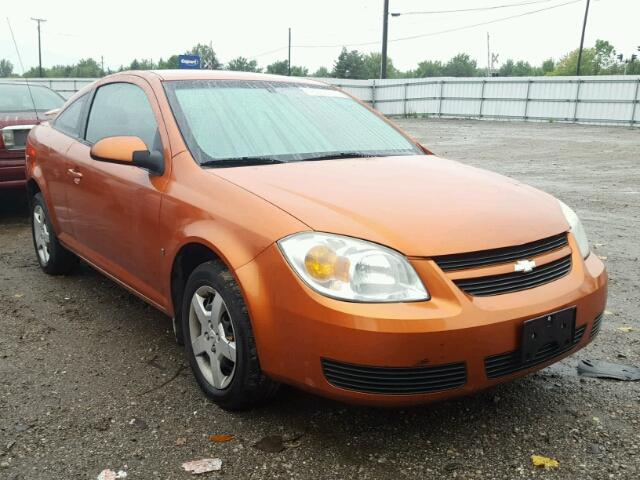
{"points": [[75, 174]]}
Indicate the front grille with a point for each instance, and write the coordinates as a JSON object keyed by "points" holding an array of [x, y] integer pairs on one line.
{"points": [[514, 282], [394, 380], [500, 255], [595, 328], [511, 362]]}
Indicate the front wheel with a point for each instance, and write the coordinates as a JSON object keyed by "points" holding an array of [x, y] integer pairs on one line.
{"points": [[53, 258], [219, 340]]}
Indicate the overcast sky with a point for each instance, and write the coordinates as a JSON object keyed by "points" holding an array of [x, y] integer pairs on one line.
{"points": [[122, 30]]}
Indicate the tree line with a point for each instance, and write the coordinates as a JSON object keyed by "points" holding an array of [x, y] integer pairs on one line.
{"points": [[601, 59]]}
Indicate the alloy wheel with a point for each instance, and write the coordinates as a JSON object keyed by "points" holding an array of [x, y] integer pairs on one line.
{"points": [[41, 234], [212, 337]]}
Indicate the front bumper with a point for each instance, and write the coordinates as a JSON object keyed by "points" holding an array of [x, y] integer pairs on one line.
{"points": [[298, 331], [12, 169]]}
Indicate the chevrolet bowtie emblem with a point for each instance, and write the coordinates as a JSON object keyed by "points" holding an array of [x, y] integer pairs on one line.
{"points": [[524, 266]]}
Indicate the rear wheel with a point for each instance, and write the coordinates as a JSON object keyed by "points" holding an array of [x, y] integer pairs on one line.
{"points": [[219, 341], [53, 258]]}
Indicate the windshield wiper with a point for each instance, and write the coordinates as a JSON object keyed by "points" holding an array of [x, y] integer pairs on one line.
{"points": [[339, 155], [240, 162]]}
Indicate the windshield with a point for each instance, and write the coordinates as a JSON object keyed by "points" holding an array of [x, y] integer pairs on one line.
{"points": [[16, 98], [271, 122]]}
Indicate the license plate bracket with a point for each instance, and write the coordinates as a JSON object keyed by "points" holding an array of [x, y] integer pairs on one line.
{"points": [[555, 330]]}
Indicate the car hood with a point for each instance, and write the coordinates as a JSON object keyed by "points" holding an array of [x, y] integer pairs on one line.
{"points": [[420, 205]]}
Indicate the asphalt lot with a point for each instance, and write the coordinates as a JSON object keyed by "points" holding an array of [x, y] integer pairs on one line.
{"points": [[90, 377]]}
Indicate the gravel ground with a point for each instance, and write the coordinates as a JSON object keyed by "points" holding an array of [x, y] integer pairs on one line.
{"points": [[90, 377]]}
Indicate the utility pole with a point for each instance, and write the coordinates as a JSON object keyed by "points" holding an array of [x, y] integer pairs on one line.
{"points": [[39, 20], [289, 61], [385, 29], [102, 64], [584, 27], [488, 57]]}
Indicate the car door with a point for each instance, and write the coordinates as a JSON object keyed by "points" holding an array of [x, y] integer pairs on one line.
{"points": [[56, 141], [115, 208]]}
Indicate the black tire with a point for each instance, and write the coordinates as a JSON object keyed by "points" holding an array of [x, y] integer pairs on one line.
{"points": [[59, 261], [248, 387]]}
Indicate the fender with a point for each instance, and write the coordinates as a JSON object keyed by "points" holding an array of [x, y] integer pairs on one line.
{"points": [[34, 174]]}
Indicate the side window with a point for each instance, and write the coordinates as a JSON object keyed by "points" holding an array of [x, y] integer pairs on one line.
{"points": [[69, 121], [122, 109]]}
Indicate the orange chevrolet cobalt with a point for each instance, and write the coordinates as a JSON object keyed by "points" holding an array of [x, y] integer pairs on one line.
{"points": [[296, 236]]}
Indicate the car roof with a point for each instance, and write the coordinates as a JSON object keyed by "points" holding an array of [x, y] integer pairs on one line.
{"points": [[194, 74]]}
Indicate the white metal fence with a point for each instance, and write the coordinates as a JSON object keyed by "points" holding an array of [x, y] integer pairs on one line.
{"points": [[602, 99]]}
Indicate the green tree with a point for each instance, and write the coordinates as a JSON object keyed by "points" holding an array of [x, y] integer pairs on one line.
{"points": [[241, 64], [146, 64], [568, 63], [88, 68], [298, 71], [461, 66], [633, 67], [522, 69], [350, 65], [597, 60], [322, 72], [548, 66], [34, 73], [85, 68], [6, 68], [373, 64], [281, 67], [605, 58], [168, 64], [208, 59], [506, 69], [429, 68]]}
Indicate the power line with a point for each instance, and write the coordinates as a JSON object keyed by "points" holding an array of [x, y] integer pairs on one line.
{"points": [[460, 10], [440, 32], [268, 52]]}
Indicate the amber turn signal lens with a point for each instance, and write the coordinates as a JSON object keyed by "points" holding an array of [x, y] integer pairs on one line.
{"points": [[320, 262]]}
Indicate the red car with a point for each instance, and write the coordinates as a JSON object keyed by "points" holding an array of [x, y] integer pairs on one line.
{"points": [[21, 107]]}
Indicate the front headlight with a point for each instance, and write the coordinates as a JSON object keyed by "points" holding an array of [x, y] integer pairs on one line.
{"points": [[350, 269], [576, 229]]}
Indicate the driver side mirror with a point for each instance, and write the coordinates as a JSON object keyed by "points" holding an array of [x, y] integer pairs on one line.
{"points": [[125, 150]]}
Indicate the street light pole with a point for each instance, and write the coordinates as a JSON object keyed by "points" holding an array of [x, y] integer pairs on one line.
{"points": [[584, 27], [39, 20], [289, 61], [385, 28]]}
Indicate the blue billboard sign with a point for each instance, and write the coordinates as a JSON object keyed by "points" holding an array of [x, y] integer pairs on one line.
{"points": [[188, 61]]}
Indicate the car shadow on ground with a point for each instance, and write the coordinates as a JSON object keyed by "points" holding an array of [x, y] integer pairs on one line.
{"points": [[14, 207]]}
